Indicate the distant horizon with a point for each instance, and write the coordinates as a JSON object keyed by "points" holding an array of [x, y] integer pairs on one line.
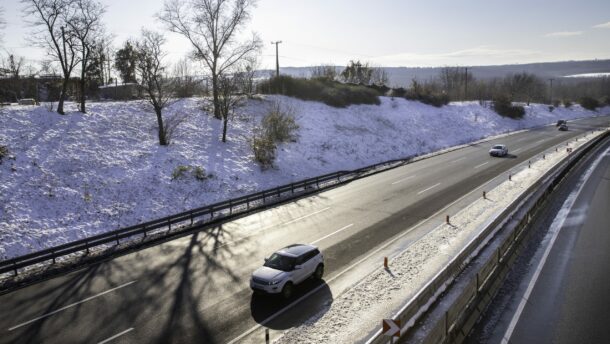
{"points": [[442, 66]]}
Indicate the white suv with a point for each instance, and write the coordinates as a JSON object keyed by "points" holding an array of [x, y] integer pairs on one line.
{"points": [[286, 268], [498, 150]]}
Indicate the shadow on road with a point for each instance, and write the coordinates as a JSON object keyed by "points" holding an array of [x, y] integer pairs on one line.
{"points": [[293, 313]]}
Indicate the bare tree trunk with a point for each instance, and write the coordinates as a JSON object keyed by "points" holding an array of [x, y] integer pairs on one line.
{"points": [[82, 89], [215, 93], [224, 129], [162, 136], [62, 96]]}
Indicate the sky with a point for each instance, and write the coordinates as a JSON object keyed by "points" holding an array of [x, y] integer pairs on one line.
{"points": [[382, 32]]}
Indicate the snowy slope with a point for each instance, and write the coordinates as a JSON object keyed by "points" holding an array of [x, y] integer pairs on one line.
{"points": [[82, 174]]}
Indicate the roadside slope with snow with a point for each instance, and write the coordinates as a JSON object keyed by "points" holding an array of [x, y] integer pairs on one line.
{"points": [[78, 175]]}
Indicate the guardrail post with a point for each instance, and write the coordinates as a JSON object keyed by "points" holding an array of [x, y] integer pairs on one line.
{"points": [[211, 213], [53, 253], [230, 207], [264, 201], [318, 182], [267, 336], [15, 269], [278, 192], [87, 244], [191, 215], [169, 225], [144, 228], [292, 188], [510, 176], [117, 238], [247, 203]]}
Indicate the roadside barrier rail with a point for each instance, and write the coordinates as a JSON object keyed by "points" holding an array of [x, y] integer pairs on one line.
{"points": [[199, 216]]}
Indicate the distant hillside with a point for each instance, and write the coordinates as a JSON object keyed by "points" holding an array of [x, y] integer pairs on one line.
{"points": [[402, 76]]}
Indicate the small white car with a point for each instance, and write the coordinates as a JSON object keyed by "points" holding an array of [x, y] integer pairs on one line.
{"points": [[498, 150], [286, 268]]}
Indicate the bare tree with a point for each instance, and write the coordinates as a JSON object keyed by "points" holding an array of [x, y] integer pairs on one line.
{"points": [[13, 65], [211, 27], [84, 20], [228, 100], [327, 72], [379, 76], [53, 34], [152, 73], [185, 82], [246, 74]]}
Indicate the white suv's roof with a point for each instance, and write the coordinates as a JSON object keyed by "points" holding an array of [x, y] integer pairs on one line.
{"points": [[296, 250]]}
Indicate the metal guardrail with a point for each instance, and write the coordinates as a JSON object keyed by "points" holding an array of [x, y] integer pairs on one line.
{"points": [[409, 314], [199, 216]]}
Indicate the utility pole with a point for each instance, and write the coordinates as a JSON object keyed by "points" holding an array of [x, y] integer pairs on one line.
{"points": [[466, 84], [277, 59], [551, 82]]}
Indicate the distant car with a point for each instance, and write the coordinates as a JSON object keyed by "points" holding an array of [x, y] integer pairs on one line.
{"points": [[286, 268], [498, 150], [563, 127], [560, 122]]}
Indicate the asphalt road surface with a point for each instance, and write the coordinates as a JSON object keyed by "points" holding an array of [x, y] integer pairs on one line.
{"points": [[195, 288], [560, 291]]}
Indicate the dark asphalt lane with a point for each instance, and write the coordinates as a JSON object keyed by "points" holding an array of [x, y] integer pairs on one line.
{"points": [[562, 296], [195, 288]]}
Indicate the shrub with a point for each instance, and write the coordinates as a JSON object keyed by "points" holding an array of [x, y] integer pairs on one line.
{"points": [[567, 103], [551, 108], [183, 171], [426, 94], [279, 124], [556, 103], [504, 107], [264, 150], [606, 100], [3, 152], [589, 103], [330, 92]]}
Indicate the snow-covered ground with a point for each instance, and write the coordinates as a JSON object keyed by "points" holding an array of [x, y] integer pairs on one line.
{"points": [[382, 293], [78, 175]]}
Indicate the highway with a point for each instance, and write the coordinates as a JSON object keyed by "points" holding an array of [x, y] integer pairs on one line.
{"points": [[195, 288], [558, 290]]}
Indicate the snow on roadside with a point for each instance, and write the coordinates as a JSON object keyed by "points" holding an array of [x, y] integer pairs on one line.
{"points": [[382, 293], [79, 175]]}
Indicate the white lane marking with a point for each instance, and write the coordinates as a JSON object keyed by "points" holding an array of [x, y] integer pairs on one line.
{"points": [[481, 165], [271, 226], [116, 336], [517, 150], [430, 188], [71, 305], [540, 141], [408, 231], [456, 160], [402, 180], [555, 228], [331, 234], [306, 216]]}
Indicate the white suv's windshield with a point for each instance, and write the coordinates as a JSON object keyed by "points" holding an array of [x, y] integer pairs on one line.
{"points": [[498, 147], [279, 262]]}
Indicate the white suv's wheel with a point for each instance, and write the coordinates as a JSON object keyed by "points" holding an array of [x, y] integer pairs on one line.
{"points": [[287, 290], [319, 272]]}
